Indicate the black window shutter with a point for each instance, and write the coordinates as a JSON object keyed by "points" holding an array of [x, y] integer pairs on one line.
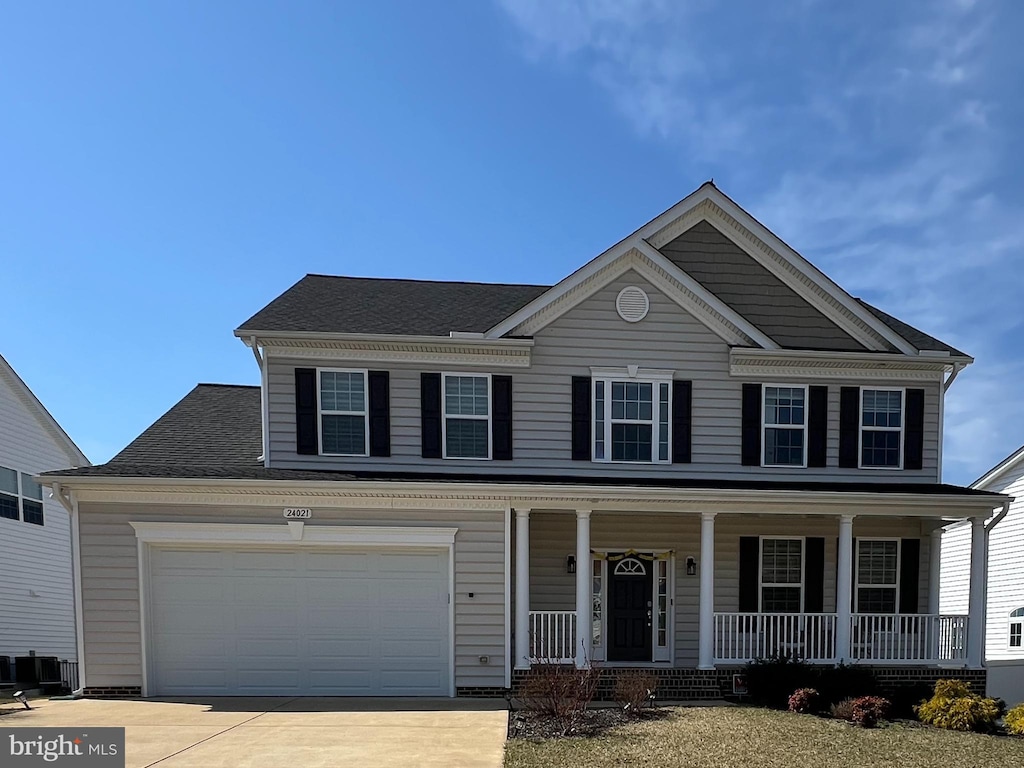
{"points": [[910, 570], [751, 425], [379, 384], [682, 415], [750, 556], [501, 417], [913, 446], [817, 426], [814, 575], [307, 442], [849, 426], [430, 415], [581, 411]]}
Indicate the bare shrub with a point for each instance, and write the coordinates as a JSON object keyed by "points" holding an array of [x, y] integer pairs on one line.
{"points": [[560, 691], [635, 691]]}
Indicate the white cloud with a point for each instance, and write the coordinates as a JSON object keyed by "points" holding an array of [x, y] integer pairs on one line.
{"points": [[877, 158]]}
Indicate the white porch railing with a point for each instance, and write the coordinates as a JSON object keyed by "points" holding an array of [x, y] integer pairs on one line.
{"points": [[909, 638], [553, 636], [743, 637]]}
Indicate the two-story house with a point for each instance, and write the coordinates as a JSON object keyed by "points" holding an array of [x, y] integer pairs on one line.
{"points": [[694, 451], [37, 615]]}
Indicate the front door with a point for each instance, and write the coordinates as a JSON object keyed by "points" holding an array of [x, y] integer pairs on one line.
{"points": [[629, 609]]}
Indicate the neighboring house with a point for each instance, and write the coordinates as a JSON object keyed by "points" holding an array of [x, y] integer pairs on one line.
{"points": [[696, 446], [37, 612], [1004, 598]]}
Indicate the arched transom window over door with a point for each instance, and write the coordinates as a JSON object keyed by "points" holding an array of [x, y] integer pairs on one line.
{"points": [[630, 566]]}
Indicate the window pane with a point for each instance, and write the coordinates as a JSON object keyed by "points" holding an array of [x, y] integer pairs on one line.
{"points": [[784, 446], [596, 566], [8, 480], [780, 599], [598, 419], [880, 449], [344, 434], [783, 405], [876, 562], [876, 600], [342, 391], [631, 442], [663, 422], [781, 561], [466, 438], [631, 400], [9, 506], [881, 408], [33, 512], [29, 488], [465, 395], [1016, 633]]}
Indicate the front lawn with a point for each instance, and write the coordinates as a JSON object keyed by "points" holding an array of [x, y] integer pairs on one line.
{"points": [[724, 737]]}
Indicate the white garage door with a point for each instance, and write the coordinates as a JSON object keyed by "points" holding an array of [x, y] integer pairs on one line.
{"points": [[288, 621]]}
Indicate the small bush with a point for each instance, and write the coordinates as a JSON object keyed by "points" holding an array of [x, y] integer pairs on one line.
{"points": [[956, 708], [1014, 720], [770, 681], [804, 701], [866, 711], [635, 691], [845, 681], [843, 710], [560, 692]]}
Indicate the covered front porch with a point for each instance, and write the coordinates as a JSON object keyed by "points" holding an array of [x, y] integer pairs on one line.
{"points": [[715, 589]]}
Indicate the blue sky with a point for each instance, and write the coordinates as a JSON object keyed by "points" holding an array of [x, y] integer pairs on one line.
{"points": [[167, 168]]}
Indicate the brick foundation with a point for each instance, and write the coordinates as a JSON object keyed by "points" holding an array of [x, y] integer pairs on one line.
{"points": [[113, 692], [481, 692]]}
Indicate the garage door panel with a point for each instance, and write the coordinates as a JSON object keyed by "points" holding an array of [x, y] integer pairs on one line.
{"points": [[295, 622]]}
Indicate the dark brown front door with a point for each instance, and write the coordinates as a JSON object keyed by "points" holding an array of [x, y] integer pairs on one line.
{"points": [[629, 609]]}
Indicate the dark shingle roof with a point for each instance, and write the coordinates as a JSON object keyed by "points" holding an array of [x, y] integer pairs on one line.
{"points": [[919, 339], [214, 425], [214, 433], [321, 303]]}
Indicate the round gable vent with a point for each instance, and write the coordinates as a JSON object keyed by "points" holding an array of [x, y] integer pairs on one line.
{"points": [[632, 304]]}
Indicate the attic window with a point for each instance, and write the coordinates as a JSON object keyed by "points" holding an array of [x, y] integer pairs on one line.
{"points": [[632, 304]]}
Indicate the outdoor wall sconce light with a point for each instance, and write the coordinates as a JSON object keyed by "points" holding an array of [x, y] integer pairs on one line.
{"points": [[691, 566], [570, 564]]}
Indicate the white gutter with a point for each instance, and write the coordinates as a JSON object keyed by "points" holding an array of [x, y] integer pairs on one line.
{"points": [[470, 341], [957, 367], [71, 505]]}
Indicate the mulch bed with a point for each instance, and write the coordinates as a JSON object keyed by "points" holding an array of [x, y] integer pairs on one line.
{"points": [[534, 726]]}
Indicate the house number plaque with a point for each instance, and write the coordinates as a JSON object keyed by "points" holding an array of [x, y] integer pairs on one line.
{"points": [[298, 513]]}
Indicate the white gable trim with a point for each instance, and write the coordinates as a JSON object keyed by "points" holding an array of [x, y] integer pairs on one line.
{"points": [[758, 242], [38, 410], [636, 255], [1008, 464]]}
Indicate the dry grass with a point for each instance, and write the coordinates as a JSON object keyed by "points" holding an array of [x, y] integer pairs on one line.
{"points": [[723, 737]]}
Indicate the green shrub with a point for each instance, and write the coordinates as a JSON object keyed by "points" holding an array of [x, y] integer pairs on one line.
{"points": [[1014, 720], [956, 708], [804, 701]]}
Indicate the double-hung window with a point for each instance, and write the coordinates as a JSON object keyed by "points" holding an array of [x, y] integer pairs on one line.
{"points": [[342, 395], [881, 428], [20, 497], [467, 416], [878, 568], [785, 426], [1016, 637], [631, 418], [782, 575]]}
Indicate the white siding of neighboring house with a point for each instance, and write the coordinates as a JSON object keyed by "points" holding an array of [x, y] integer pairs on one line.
{"points": [[36, 586]]}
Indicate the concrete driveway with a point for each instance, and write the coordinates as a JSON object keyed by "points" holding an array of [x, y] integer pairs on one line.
{"points": [[301, 732]]}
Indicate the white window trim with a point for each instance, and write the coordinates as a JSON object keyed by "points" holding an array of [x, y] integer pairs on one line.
{"points": [[861, 427], [761, 583], [765, 426], [653, 376], [20, 498], [1017, 649], [856, 572], [445, 417], [320, 412]]}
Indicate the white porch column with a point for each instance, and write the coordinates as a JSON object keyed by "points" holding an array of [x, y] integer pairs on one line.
{"points": [[976, 612], [706, 634], [934, 570], [584, 590], [844, 587], [522, 588]]}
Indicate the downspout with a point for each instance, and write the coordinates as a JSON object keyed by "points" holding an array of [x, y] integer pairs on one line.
{"points": [[70, 503], [261, 361], [988, 533], [957, 367]]}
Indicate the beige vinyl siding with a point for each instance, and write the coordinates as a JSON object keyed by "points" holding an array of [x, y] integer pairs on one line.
{"points": [[36, 585], [111, 598], [592, 334], [553, 537], [955, 573]]}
